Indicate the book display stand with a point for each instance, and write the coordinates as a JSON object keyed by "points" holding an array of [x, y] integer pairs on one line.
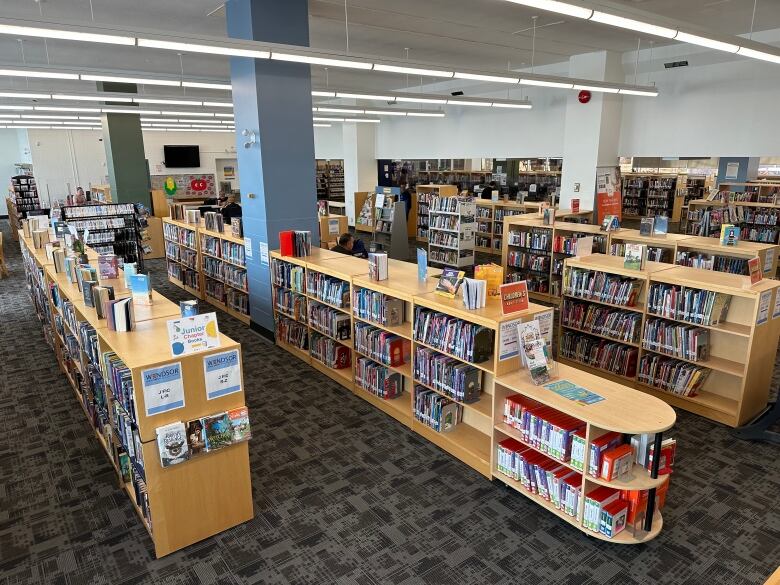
{"points": [[114, 228], [424, 195], [452, 231], [390, 229], [107, 371], [728, 381]]}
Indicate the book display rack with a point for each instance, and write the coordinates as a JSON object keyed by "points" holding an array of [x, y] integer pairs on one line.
{"points": [[107, 371], [424, 195], [114, 228], [209, 265], [708, 253], [758, 221], [649, 195], [26, 197], [620, 410], [701, 341], [451, 231]]}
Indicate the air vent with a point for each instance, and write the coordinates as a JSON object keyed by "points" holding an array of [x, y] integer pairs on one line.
{"points": [[675, 64], [457, 93]]}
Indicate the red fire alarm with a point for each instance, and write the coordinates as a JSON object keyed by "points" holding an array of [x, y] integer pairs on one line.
{"points": [[584, 96]]}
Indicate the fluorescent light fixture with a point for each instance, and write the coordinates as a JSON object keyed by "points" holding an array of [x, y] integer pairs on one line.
{"points": [[515, 106], [26, 96], [50, 122], [77, 128], [91, 98], [491, 78], [52, 117], [32, 127], [323, 125], [197, 121], [340, 110], [136, 80], [182, 130], [638, 92], [195, 114], [206, 126], [745, 52], [597, 88], [67, 35], [130, 111], [9, 115], [357, 96], [468, 103], [321, 61], [426, 114], [228, 122], [705, 42], [209, 49], [91, 118], [328, 119], [412, 70], [634, 25], [223, 115], [555, 6], [65, 109], [414, 100], [168, 102], [200, 85], [171, 125], [543, 83], [366, 120], [16, 107], [159, 120], [385, 112], [218, 104], [37, 74], [323, 94]]}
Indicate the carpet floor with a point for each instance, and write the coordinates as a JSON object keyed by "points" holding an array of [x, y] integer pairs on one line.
{"points": [[344, 494]]}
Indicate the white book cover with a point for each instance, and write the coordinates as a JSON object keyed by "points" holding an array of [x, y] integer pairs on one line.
{"points": [[172, 444]]}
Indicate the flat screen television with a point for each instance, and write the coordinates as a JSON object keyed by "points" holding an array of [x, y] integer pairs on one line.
{"points": [[178, 157]]}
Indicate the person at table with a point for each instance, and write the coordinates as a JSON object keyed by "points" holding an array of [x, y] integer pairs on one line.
{"points": [[347, 244], [231, 210]]}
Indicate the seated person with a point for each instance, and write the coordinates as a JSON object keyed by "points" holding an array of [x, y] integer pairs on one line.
{"points": [[231, 210], [347, 244]]}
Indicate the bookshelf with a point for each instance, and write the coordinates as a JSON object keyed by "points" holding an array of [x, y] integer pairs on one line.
{"points": [[712, 256], [648, 195], [660, 247], [114, 228], [424, 195], [13, 218], [330, 179], [101, 193], [225, 283], [26, 196], [182, 256], [622, 410], [169, 501], [451, 231], [758, 221], [364, 211], [741, 351]]}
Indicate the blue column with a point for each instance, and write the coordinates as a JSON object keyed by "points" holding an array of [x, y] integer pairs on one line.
{"points": [[272, 101], [737, 169]]}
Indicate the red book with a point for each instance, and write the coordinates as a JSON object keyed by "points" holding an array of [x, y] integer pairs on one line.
{"points": [[286, 243]]}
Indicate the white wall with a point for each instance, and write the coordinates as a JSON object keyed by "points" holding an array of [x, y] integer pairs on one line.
{"points": [[329, 142], [12, 150], [213, 146]]}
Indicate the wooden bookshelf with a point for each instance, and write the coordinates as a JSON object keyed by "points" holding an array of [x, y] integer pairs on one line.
{"points": [[101, 193], [13, 218], [660, 247], [458, 224], [622, 410], [174, 250], [758, 220], [741, 350], [236, 301], [767, 253], [176, 496], [648, 194], [424, 193]]}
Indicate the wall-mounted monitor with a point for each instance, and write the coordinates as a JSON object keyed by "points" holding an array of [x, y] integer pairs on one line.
{"points": [[179, 157]]}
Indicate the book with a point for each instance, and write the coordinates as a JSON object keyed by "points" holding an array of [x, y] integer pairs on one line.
{"points": [[729, 235], [172, 444], [217, 431], [120, 315], [575, 205], [646, 226], [493, 275], [129, 269], [666, 461], [213, 221], [661, 227], [449, 282], [474, 293], [195, 438], [86, 292], [239, 423], [635, 256], [295, 243], [754, 270], [613, 518], [422, 264], [236, 227], [141, 289], [610, 223], [101, 295], [188, 308], [108, 266], [617, 462], [548, 216], [377, 266]]}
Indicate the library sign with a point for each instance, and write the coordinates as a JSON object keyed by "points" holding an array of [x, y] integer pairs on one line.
{"points": [[514, 297], [193, 334]]}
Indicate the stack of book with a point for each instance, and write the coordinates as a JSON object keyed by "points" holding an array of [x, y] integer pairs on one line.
{"points": [[700, 307], [436, 411], [382, 346], [377, 379], [466, 341], [452, 377]]}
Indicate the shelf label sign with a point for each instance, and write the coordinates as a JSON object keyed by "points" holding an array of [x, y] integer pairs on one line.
{"points": [[776, 309], [514, 297], [507, 340], [763, 307], [222, 373], [163, 389], [193, 334], [263, 253]]}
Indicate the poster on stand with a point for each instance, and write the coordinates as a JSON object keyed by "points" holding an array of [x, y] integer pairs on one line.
{"points": [[609, 198]]}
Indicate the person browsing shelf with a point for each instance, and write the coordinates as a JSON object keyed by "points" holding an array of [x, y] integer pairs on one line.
{"points": [[406, 197], [80, 198], [487, 192], [231, 210], [347, 244]]}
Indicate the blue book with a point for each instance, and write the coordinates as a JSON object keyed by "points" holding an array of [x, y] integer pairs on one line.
{"points": [[141, 287], [130, 269], [422, 264]]}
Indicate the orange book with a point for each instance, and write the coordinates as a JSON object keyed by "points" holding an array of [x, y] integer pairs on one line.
{"points": [[616, 462]]}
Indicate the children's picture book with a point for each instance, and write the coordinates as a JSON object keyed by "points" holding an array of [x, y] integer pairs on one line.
{"points": [[195, 438], [188, 308], [729, 235], [449, 282], [474, 293], [108, 266], [493, 274], [661, 226], [239, 423], [218, 431], [635, 256], [646, 226], [172, 444]]}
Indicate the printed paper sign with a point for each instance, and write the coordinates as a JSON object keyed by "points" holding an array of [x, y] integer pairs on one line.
{"points": [[248, 248], [163, 389], [223, 374], [333, 227], [193, 334], [573, 392], [507, 340], [546, 326], [763, 307], [769, 260], [263, 253], [514, 297], [776, 310]]}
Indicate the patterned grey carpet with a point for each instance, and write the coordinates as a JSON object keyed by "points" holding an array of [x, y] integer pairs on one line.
{"points": [[343, 494]]}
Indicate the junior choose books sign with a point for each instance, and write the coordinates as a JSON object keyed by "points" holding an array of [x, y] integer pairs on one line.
{"points": [[193, 334]]}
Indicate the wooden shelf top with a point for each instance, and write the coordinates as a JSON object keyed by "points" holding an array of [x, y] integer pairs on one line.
{"points": [[585, 228], [402, 282], [222, 236], [147, 345], [182, 224], [531, 220], [720, 203], [623, 409], [724, 282], [161, 308], [614, 264], [655, 240], [316, 255], [489, 316], [742, 249], [343, 266]]}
